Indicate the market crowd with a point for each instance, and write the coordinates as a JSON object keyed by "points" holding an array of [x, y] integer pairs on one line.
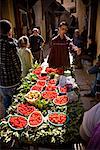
{"points": [[18, 56]]}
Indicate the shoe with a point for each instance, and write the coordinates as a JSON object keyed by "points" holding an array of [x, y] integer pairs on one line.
{"points": [[89, 95]]}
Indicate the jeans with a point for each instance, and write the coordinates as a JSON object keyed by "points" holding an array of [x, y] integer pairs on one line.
{"points": [[7, 94], [93, 89], [94, 70]]}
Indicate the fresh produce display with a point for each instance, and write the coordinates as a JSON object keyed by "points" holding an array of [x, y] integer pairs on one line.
{"points": [[31, 77], [61, 100], [49, 94], [52, 81], [37, 88], [17, 122], [63, 89], [32, 96], [25, 109], [56, 128], [37, 71], [35, 119], [60, 71], [50, 70], [57, 118], [41, 83], [45, 77], [50, 87], [57, 70], [41, 103]]}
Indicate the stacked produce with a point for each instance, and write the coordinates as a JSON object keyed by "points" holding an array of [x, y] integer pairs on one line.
{"points": [[41, 110]]}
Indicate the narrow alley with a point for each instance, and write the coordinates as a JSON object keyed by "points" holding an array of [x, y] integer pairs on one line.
{"points": [[49, 75]]}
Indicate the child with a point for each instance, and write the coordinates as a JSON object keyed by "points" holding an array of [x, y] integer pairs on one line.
{"points": [[25, 55]]}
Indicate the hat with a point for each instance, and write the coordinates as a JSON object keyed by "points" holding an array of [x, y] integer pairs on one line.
{"points": [[35, 29]]}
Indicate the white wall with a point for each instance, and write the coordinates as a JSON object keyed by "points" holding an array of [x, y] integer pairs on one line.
{"points": [[38, 17], [81, 13]]}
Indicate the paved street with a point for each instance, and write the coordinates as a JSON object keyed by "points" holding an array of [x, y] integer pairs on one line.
{"points": [[85, 81]]}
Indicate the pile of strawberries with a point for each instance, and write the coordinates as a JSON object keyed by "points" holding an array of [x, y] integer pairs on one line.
{"points": [[37, 71], [57, 70], [50, 87], [63, 89], [25, 109], [41, 83], [61, 100], [52, 81], [45, 77], [37, 88], [57, 118], [49, 94], [35, 119], [17, 122]]}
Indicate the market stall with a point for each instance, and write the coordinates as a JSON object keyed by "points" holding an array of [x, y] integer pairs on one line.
{"points": [[45, 110]]}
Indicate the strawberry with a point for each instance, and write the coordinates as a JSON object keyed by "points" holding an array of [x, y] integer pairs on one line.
{"points": [[37, 88], [45, 77], [57, 118], [35, 119], [17, 122], [50, 87], [41, 83], [49, 94], [37, 71], [61, 100], [25, 109]]}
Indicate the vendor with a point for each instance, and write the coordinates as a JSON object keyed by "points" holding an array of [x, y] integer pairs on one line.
{"points": [[59, 54]]}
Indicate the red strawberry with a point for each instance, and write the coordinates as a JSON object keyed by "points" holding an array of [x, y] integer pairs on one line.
{"points": [[49, 94], [25, 109], [35, 119], [61, 100], [18, 122], [57, 118], [41, 83]]}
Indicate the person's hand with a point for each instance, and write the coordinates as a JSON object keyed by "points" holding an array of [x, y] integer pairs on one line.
{"points": [[78, 50]]}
